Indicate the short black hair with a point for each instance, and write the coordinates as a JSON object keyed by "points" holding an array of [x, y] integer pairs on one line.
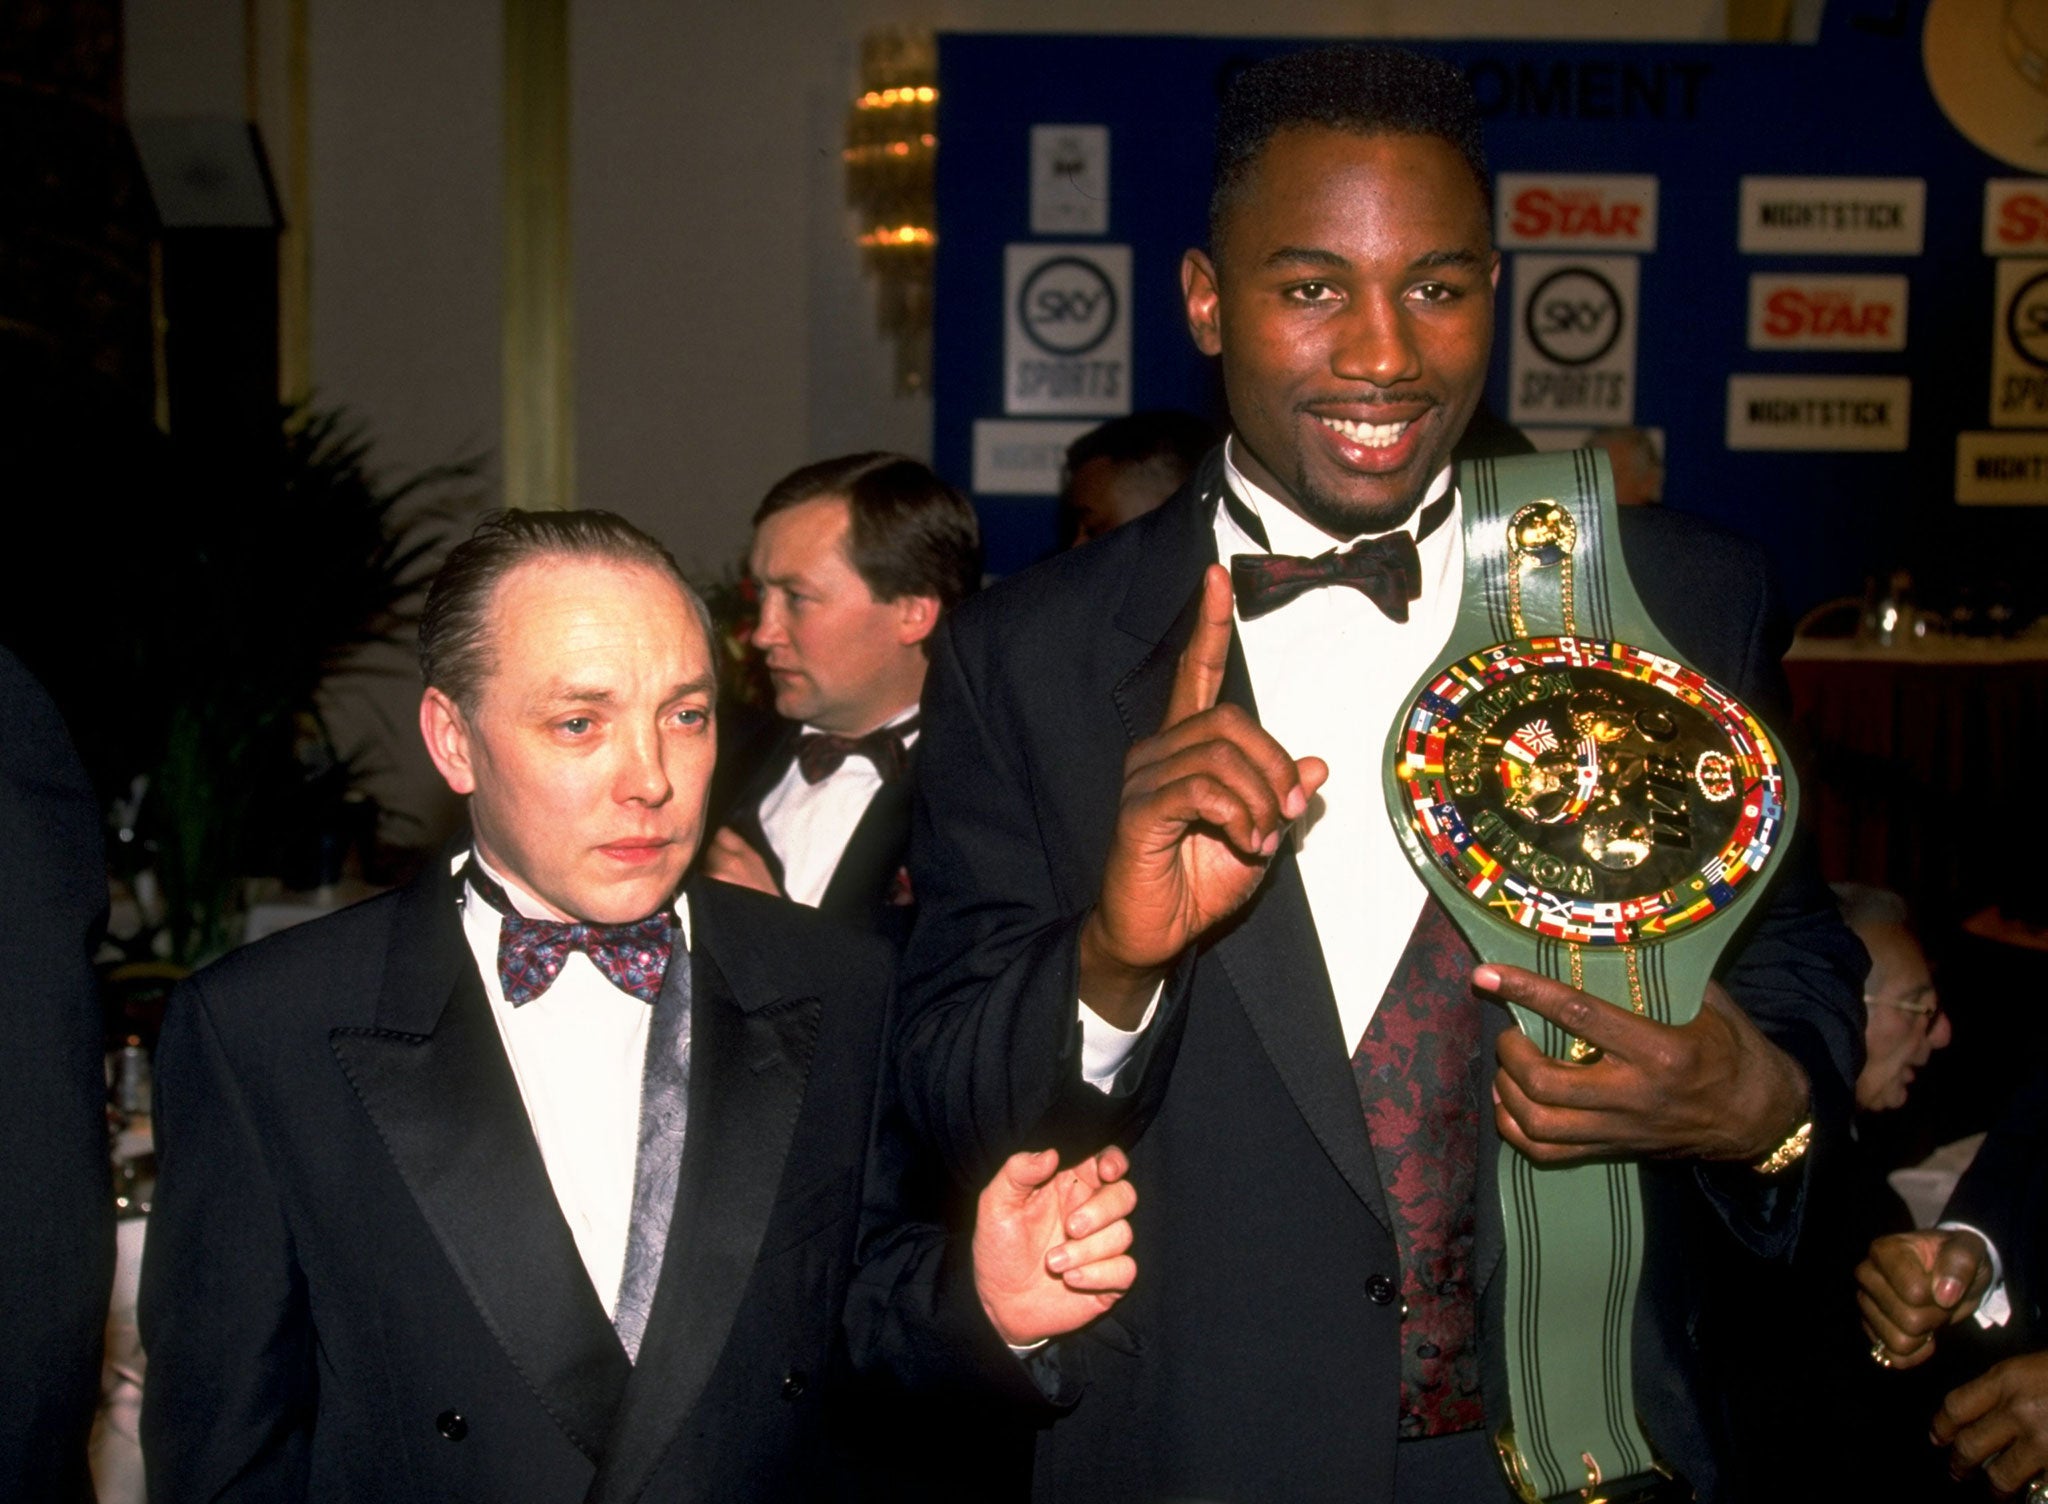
{"points": [[909, 533], [1367, 91], [454, 642], [1163, 433]]}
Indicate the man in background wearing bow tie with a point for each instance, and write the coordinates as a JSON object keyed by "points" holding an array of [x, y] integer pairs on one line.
{"points": [[544, 1178], [1161, 903], [857, 560]]}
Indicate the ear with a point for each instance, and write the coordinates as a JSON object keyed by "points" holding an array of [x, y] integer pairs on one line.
{"points": [[446, 733], [1493, 272], [916, 616], [1201, 298]]}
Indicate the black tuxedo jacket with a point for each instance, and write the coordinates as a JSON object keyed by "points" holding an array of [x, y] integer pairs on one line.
{"points": [[1829, 1388], [863, 894], [1248, 1362], [359, 1285], [2004, 1194], [57, 1233]]}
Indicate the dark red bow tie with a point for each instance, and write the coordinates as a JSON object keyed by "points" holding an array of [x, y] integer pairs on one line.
{"points": [[820, 754], [531, 952], [1387, 569]]}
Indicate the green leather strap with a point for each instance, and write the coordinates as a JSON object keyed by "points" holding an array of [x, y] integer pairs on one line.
{"points": [[1539, 593]]}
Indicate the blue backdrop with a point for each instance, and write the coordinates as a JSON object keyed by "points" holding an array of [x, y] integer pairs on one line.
{"points": [[1697, 116]]}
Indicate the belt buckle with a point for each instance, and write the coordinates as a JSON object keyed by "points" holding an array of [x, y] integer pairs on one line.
{"points": [[1659, 1486]]}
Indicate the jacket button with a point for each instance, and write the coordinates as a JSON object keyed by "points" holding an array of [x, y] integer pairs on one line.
{"points": [[793, 1385], [1380, 1290], [451, 1425]]}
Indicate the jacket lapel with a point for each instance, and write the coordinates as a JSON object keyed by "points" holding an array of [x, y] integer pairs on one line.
{"points": [[1269, 954], [873, 852], [750, 1058], [433, 1077], [860, 883], [1275, 964]]}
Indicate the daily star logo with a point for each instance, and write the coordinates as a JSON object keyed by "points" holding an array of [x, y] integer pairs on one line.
{"points": [[1826, 313], [1576, 211], [2016, 217], [1545, 214]]}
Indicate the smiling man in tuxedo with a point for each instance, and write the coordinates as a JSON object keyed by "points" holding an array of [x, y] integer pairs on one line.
{"points": [[1162, 904], [544, 1178]]}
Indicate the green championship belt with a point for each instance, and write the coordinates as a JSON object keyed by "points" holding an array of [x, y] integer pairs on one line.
{"points": [[1589, 808]]}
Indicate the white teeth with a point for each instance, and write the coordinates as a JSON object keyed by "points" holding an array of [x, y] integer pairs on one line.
{"points": [[1371, 435]]}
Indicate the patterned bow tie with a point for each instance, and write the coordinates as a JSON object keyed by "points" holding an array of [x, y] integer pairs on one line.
{"points": [[531, 952], [1387, 569], [819, 754]]}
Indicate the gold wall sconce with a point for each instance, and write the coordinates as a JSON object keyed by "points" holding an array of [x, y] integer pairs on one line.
{"points": [[891, 145]]}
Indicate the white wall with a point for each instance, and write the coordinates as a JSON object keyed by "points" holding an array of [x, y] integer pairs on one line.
{"points": [[182, 57], [406, 182], [407, 220], [724, 332], [407, 226]]}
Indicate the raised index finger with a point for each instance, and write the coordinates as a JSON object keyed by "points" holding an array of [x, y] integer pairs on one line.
{"points": [[1615, 1030], [1199, 678]]}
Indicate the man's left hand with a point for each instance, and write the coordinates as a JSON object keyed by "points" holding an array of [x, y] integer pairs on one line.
{"points": [[1051, 1245], [1999, 1422], [1713, 1088]]}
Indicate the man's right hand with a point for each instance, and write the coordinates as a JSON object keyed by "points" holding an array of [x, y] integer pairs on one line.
{"points": [[1206, 803], [729, 859], [1915, 1283]]}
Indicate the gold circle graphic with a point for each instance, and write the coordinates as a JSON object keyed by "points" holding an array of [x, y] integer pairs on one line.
{"points": [[1987, 63]]}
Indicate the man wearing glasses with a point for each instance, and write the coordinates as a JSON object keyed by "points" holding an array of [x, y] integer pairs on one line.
{"points": [[1981, 1270], [1906, 1025], [1837, 1386]]}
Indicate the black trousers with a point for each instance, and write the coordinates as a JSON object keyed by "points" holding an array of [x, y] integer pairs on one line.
{"points": [[1457, 1469]]}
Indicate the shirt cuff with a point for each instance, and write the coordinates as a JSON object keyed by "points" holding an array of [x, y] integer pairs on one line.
{"points": [[1995, 1309], [1106, 1049]]}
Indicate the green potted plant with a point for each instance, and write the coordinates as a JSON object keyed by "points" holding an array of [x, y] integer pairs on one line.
{"points": [[280, 566]]}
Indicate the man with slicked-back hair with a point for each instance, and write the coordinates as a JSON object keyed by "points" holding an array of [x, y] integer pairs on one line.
{"points": [[546, 1177]]}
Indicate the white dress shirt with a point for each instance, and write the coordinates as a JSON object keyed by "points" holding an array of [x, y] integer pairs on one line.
{"points": [[1994, 1308], [809, 824], [1330, 671], [577, 1052]]}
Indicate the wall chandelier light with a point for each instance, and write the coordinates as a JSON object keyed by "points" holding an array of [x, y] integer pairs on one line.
{"points": [[891, 143]]}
